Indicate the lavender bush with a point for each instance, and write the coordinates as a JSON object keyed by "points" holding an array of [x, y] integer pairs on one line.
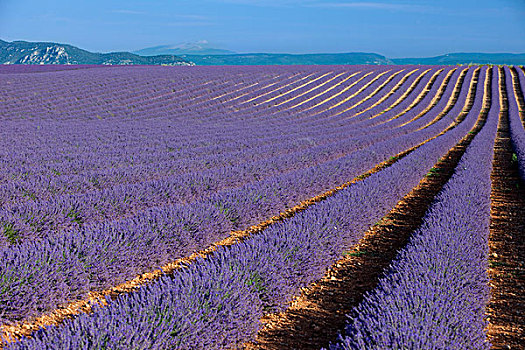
{"points": [[217, 302]]}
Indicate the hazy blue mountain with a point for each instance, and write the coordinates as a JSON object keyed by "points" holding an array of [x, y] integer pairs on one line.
{"points": [[23, 52], [284, 59], [467, 58], [356, 58], [197, 48]]}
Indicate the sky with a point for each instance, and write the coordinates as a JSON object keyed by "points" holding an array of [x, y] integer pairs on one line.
{"points": [[394, 28]]}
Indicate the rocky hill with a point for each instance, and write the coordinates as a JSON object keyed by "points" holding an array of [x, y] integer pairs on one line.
{"points": [[23, 52]]}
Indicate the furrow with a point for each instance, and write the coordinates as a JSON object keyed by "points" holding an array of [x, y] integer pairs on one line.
{"points": [[294, 89], [405, 95], [346, 88], [437, 97], [322, 92], [359, 91], [369, 96], [387, 95], [506, 310], [277, 89], [419, 98], [452, 101], [308, 91]]}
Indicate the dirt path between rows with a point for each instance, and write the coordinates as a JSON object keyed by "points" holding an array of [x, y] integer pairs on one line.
{"points": [[506, 311]]}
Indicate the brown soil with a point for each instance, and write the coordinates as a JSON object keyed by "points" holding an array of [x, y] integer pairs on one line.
{"points": [[439, 94], [315, 318], [385, 96], [403, 97], [426, 90], [506, 310], [455, 96]]}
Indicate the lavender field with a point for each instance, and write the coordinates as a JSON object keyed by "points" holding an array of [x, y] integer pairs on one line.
{"points": [[199, 207]]}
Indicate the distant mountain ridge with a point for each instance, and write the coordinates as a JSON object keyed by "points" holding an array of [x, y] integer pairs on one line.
{"points": [[467, 58], [23, 52], [357, 58], [289, 59], [197, 48]]}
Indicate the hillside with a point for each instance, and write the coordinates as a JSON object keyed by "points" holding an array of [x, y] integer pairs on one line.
{"points": [[23, 52], [466, 58], [288, 59], [355, 58]]}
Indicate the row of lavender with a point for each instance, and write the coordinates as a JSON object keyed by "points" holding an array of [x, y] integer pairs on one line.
{"points": [[129, 147], [248, 167], [94, 179], [105, 152], [435, 292], [517, 126], [250, 112], [58, 172], [30, 190], [178, 114], [22, 68], [72, 212], [98, 255], [217, 302], [128, 91], [83, 164]]}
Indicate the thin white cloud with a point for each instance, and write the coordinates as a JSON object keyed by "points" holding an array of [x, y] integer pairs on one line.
{"points": [[269, 3], [157, 15], [391, 6], [375, 5], [196, 17], [188, 24], [129, 12]]}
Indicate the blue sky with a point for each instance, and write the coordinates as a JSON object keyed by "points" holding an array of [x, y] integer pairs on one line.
{"points": [[393, 28]]}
